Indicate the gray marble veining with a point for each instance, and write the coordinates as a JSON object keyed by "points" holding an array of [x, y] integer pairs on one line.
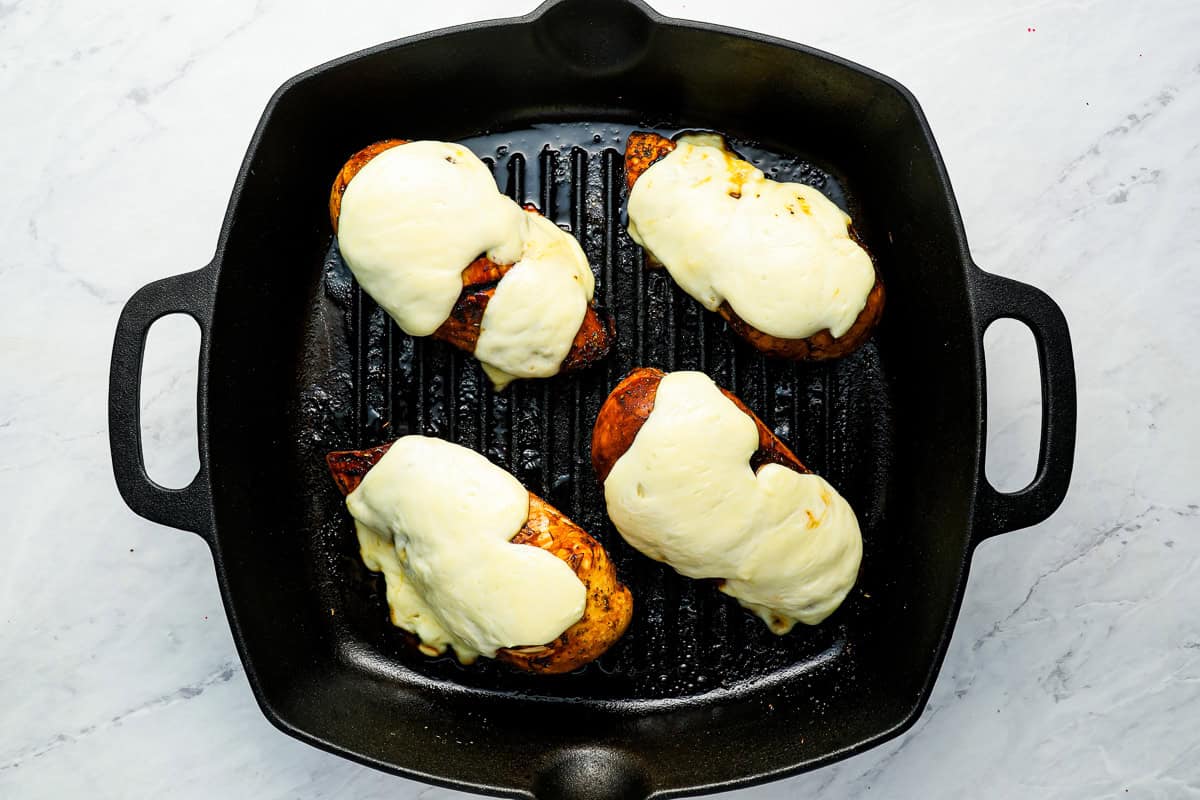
{"points": [[1072, 134]]}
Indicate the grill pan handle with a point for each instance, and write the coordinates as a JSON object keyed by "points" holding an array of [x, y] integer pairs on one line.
{"points": [[591, 773], [189, 508], [595, 37], [996, 297]]}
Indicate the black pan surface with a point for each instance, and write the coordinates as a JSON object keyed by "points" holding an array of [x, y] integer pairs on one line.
{"points": [[296, 361], [371, 383]]}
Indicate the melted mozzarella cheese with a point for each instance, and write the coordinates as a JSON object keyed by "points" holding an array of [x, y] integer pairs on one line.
{"points": [[413, 218], [786, 545], [436, 520], [416, 215], [779, 253], [539, 304]]}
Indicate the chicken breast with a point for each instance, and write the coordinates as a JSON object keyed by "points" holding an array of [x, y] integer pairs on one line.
{"points": [[608, 605], [480, 277], [694, 479], [644, 149]]}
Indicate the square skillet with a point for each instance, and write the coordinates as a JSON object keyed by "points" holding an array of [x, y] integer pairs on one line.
{"points": [[296, 361]]}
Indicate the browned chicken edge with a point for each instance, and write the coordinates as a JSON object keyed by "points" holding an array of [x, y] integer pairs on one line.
{"points": [[461, 329], [609, 605], [641, 151], [628, 407]]}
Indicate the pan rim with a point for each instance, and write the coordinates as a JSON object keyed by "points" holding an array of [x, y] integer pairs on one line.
{"points": [[276, 714]]}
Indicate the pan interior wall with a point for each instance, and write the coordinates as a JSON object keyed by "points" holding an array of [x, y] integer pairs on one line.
{"points": [[365, 382]]}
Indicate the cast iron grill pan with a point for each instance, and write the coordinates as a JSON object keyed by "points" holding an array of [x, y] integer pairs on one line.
{"points": [[295, 362], [686, 638]]}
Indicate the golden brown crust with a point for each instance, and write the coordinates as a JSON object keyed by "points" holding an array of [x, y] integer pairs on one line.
{"points": [[822, 345], [642, 150], [349, 170], [609, 605], [628, 407], [461, 329], [592, 341], [483, 270]]}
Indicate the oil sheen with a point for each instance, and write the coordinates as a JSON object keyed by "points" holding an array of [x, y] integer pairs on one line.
{"points": [[437, 519], [786, 545], [417, 214], [779, 253]]}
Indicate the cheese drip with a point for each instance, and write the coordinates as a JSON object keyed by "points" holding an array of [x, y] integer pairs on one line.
{"points": [[437, 519], [531, 321], [417, 214], [786, 545], [779, 253]]}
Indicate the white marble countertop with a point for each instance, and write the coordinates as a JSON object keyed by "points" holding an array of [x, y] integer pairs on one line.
{"points": [[1072, 134]]}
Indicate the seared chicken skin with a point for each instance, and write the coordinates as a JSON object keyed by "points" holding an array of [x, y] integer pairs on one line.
{"points": [[609, 604], [644, 149], [461, 328]]}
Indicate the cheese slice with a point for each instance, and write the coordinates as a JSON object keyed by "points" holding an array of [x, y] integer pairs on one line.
{"points": [[786, 545], [437, 519], [779, 253]]}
